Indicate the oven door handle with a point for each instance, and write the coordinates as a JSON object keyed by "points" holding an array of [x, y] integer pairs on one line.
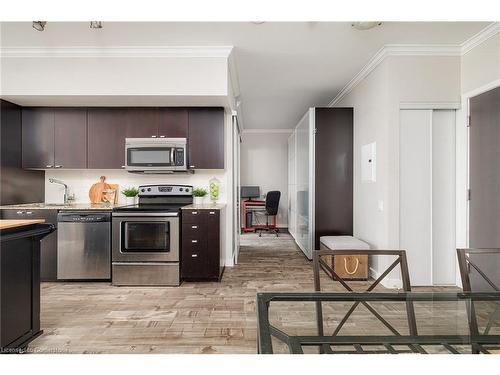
{"points": [[145, 215]]}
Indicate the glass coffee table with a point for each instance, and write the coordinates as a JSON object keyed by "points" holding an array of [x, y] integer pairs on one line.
{"points": [[367, 323]]}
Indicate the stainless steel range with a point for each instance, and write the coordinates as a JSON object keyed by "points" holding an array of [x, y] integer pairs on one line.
{"points": [[146, 237]]}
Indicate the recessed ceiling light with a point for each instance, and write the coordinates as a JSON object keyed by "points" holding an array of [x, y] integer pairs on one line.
{"points": [[365, 25], [39, 25], [95, 24]]}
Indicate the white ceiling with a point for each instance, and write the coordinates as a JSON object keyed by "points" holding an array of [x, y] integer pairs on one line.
{"points": [[283, 68]]}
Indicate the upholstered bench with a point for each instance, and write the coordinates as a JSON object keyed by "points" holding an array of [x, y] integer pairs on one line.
{"points": [[351, 267]]}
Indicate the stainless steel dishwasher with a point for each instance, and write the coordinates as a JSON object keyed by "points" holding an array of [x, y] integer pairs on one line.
{"points": [[84, 245]]}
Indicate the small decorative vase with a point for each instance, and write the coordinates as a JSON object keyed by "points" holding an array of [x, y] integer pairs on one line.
{"points": [[130, 201], [214, 189], [198, 201]]}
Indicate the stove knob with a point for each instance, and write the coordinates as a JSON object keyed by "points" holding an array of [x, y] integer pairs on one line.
{"points": [[187, 190], [149, 189], [143, 190], [181, 189]]}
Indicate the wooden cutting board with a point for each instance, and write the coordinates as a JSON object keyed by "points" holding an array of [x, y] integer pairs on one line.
{"points": [[96, 192]]}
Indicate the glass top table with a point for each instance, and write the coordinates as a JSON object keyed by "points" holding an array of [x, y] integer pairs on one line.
{"points": [[366, 323]]}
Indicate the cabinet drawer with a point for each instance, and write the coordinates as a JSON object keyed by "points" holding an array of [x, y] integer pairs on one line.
{"points": [[194, 216], [194, 229]]}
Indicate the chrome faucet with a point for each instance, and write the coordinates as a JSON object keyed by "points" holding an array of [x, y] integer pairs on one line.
{"points": [[67, 198]]}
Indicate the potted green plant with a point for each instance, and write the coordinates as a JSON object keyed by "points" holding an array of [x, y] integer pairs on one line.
{"points": [[130, 194], [199, 195]]}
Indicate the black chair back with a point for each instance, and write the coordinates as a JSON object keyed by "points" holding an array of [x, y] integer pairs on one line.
{"points": [[272, 202]]}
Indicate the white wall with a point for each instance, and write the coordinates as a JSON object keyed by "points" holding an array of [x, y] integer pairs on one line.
{"points": [[377, 100], [481, 65], [264, 162]]}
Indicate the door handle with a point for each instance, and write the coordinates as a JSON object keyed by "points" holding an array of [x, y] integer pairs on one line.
{"points": [[172, 156]]}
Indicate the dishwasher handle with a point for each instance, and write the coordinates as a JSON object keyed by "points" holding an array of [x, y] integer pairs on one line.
{"points": [[83, 217]]}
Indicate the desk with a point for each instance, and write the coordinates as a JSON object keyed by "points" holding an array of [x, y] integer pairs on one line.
{"points": [[249, 206]]}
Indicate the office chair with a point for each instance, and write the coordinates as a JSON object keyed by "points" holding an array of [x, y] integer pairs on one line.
{"points": [[272, 203]]}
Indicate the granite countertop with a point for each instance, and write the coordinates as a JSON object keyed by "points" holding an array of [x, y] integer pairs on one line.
{"points": [[10, 224], [61, 206], [205, 206]]}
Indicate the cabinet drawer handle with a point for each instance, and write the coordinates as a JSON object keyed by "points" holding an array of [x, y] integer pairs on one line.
{"points": [[194, 241], [212, 212], [29, 212], [194, 255], [123, 166], [194, 212], [192, 166], [48, 166], [20, 212], [194, 226], [162, 136], [58, 166], [153, 136]]}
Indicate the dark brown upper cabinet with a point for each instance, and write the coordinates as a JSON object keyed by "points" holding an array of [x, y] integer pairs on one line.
{"points": [[54, 138], [70, 138], [206, 138], [173, 123], [38, 137], [108, 128]]}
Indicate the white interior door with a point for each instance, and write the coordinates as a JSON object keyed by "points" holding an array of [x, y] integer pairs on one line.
{"points": [[427, 195]]}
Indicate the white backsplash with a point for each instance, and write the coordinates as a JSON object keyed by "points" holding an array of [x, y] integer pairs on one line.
{"points": [[80, 181]]}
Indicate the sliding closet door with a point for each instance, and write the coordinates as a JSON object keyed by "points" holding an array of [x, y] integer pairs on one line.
{"points": [[443, 198], [427, 195], [304, 181], [415, 193], [292, 186]]}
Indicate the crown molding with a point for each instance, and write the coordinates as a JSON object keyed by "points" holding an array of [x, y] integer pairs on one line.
{"points": [[396, 50], [154, 51], [481, 37], [267, 131], [416, 50]]}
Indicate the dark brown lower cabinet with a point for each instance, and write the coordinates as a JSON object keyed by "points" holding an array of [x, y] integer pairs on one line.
{"points": [[48, 247], [201, 259], [20, 286]]}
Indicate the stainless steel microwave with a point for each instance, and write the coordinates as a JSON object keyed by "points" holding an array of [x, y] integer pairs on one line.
{"points": [[155, 155]]}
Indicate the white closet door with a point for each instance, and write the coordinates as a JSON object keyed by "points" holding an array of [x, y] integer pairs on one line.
{"points": [[443, 198], [427, 195], [415, 226]]}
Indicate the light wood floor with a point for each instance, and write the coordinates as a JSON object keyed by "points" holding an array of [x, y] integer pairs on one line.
{"points": [[194, 318]]}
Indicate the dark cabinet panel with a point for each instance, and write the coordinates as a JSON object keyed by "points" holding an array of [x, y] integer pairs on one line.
{"points": [[16, 185], [200, 245], [206, 138], [38, 137], [70, 146], [48, 245], [334, 172], [173, 123], [108, 128]]}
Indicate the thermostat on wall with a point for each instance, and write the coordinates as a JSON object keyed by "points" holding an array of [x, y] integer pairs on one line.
{"points": [[368, 162]]}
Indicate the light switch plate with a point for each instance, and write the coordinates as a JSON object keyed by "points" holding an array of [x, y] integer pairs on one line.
{"points": [[368, 162]]}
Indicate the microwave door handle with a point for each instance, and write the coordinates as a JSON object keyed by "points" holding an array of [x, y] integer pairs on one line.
{"points": [[172, 156]]}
